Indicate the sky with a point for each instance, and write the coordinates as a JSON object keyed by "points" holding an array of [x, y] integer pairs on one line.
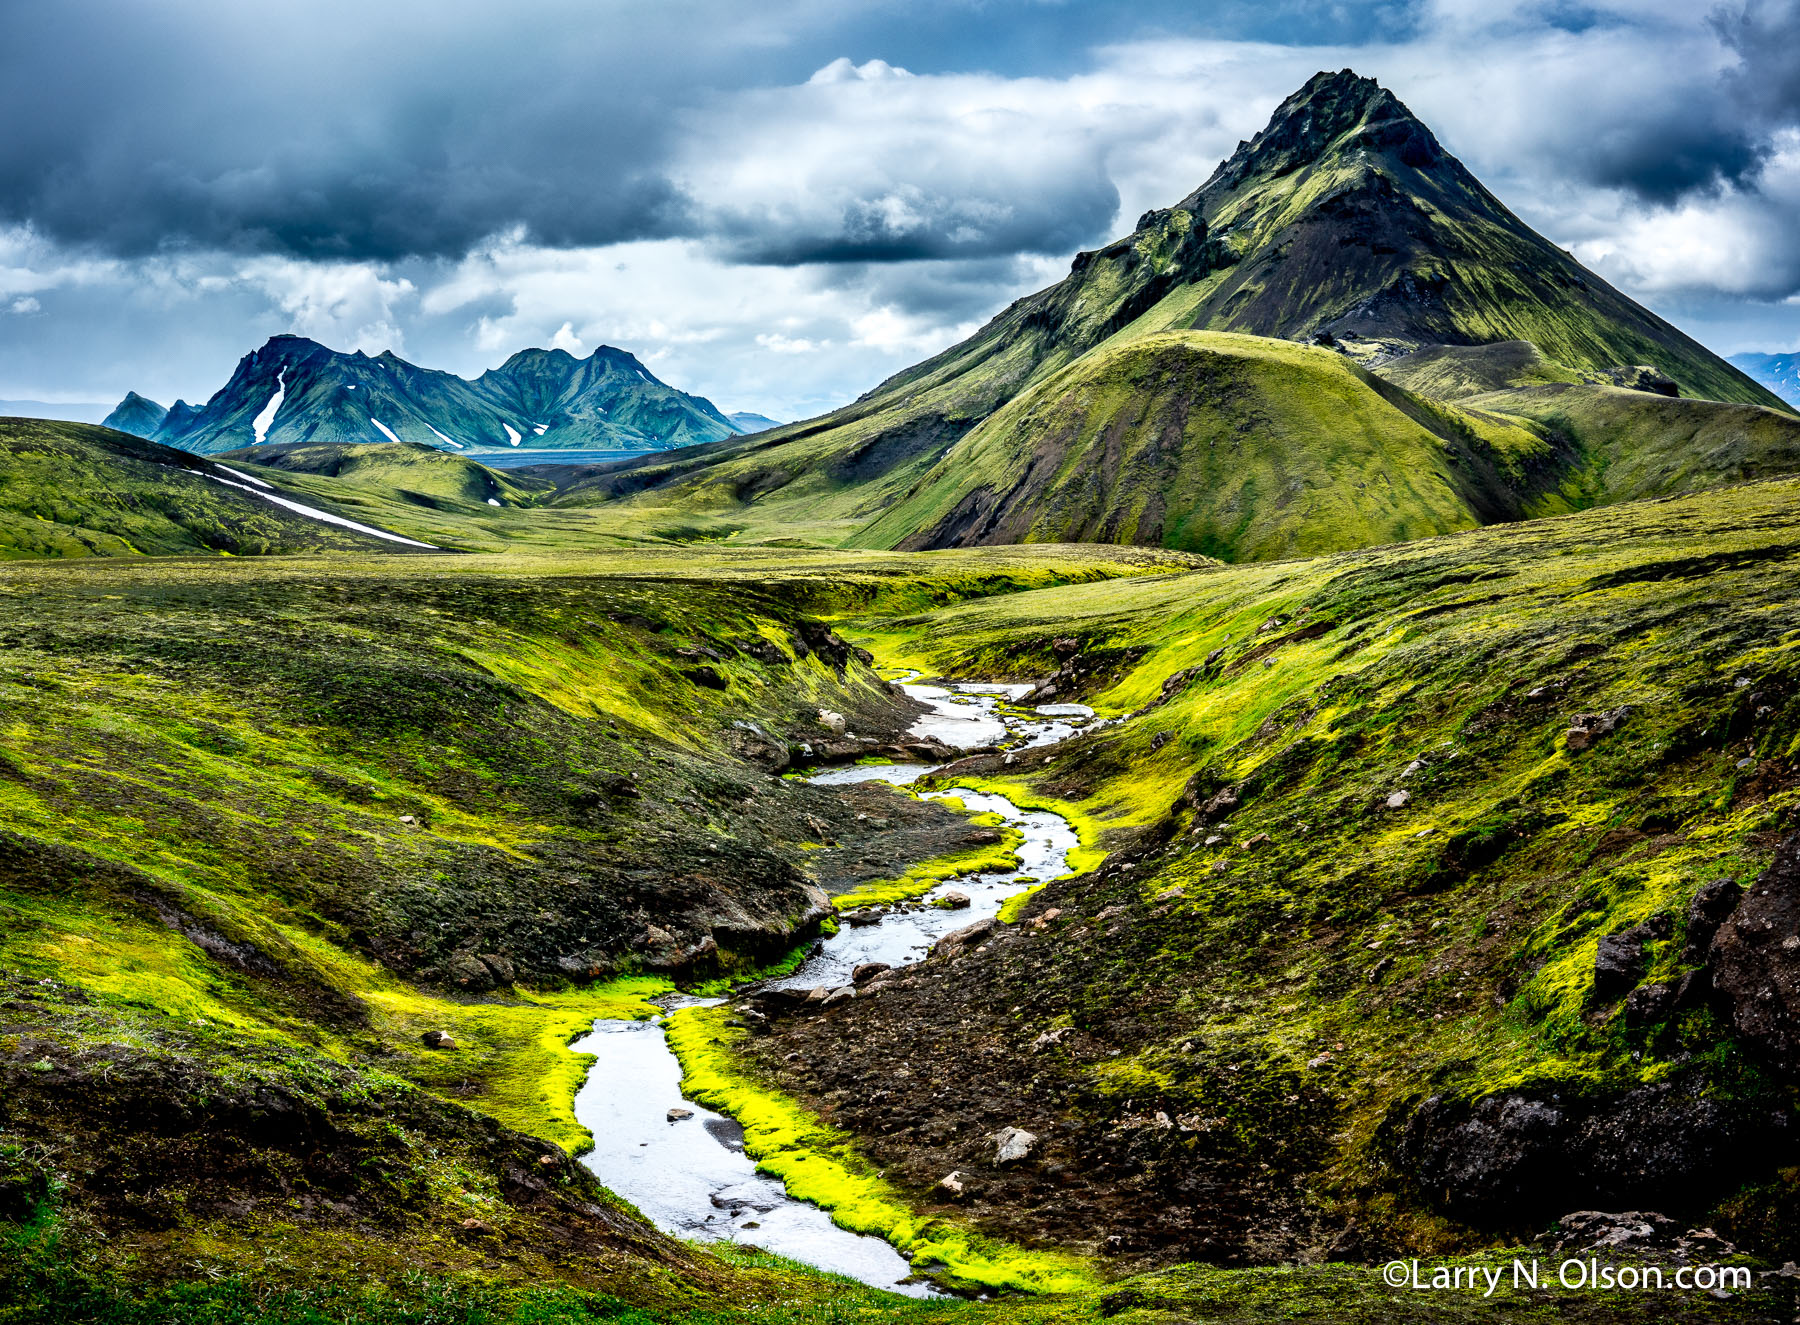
{"points": [[778, 204]]}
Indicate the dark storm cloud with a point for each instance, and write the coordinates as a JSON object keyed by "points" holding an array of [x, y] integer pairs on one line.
{"points": [[375, 131], [1681, 139]]}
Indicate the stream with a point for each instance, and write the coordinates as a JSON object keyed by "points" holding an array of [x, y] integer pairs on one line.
{"points": [[691, 1177]]}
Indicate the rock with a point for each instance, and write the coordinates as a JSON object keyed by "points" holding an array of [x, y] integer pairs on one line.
{"points": [[1648, 1004], [1049, 1039], [1170, 894], [867, 971], [1212, 808], [679, 1114], [1417, 766], [1643, 377], [842, 994], [983, 837], [1399, 800], [1065, 647], [467, 971], [438, 1040], [1258, 842], [951, 1187], [501, 967], [818, 994], [1618, 964], [476, 1226], [861, 919], [832, 721], [954, 900], [746, 1196], [1161, 739], [1012, 1144], [709, 677], [1594, 1230], [957, 939], [655, 936], [1709, 909], [1586, 728], [1755, 956]]}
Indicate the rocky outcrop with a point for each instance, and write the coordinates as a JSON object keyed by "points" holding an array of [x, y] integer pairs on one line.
{"points": [[1755, 959]]}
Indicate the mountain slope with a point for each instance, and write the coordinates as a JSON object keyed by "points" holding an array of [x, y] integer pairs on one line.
{"points": [[295, 390], [76, 490], [1344, 219], [1779, 372], [1240, 447], [136, 415]]}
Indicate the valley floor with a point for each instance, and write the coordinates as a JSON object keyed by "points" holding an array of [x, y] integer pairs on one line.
{"points": [[1389, 939]]}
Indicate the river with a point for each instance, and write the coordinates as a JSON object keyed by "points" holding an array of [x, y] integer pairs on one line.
{"points": [[691, 1177]]}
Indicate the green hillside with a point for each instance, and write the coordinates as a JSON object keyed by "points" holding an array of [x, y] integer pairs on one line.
{"points": [[412, 472], [1239, 447], [1248, 448], [76, 490]]}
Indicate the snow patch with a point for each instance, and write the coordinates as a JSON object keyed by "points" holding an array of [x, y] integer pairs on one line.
{"points": [[260, 424], [385, 429], [540, 429], [451, 440], [492, 502], [313, 513], [512, 434], [351, 387], [248, 478]]}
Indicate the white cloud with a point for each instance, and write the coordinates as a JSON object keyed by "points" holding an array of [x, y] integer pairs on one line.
{"points": [[566, 339], [24, 305], [350, 306]]}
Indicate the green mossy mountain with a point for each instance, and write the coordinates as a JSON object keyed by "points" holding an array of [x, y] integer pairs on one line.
{"points": [[405, 470], [1343, 221], [294, 390]]}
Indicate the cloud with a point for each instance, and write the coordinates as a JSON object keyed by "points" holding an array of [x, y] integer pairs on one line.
{"points": [[25, 304]]}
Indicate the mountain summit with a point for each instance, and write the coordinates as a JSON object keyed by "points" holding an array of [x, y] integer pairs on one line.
{"points": [[295, 390]]}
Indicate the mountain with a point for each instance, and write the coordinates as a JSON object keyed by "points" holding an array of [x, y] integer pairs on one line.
{"points": [[79, 411], [295, 390], [136, 415], [1779, 372], [76, 490], [746, 422], [1343, 222]]}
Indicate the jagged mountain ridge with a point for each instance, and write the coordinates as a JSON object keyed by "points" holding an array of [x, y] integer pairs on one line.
{"points": [[293, 390]]}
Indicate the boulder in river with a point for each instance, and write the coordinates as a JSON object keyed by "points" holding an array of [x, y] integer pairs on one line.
{"points": [[679, 1114], [858, 919], [867, 971], [954, 900]]}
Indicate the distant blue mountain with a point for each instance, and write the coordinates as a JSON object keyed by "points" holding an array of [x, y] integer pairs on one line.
{"points": [[295, 390], [1779, 372]]}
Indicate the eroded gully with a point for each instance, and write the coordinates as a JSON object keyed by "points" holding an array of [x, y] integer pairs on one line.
{"points": [[689, 1174]]}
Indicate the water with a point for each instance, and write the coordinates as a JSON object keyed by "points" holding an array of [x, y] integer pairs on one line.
{"points": [[514, 459], [692, 1178]]}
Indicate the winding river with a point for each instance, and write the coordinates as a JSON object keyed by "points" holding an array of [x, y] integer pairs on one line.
{"points": [[690, 1175]]}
